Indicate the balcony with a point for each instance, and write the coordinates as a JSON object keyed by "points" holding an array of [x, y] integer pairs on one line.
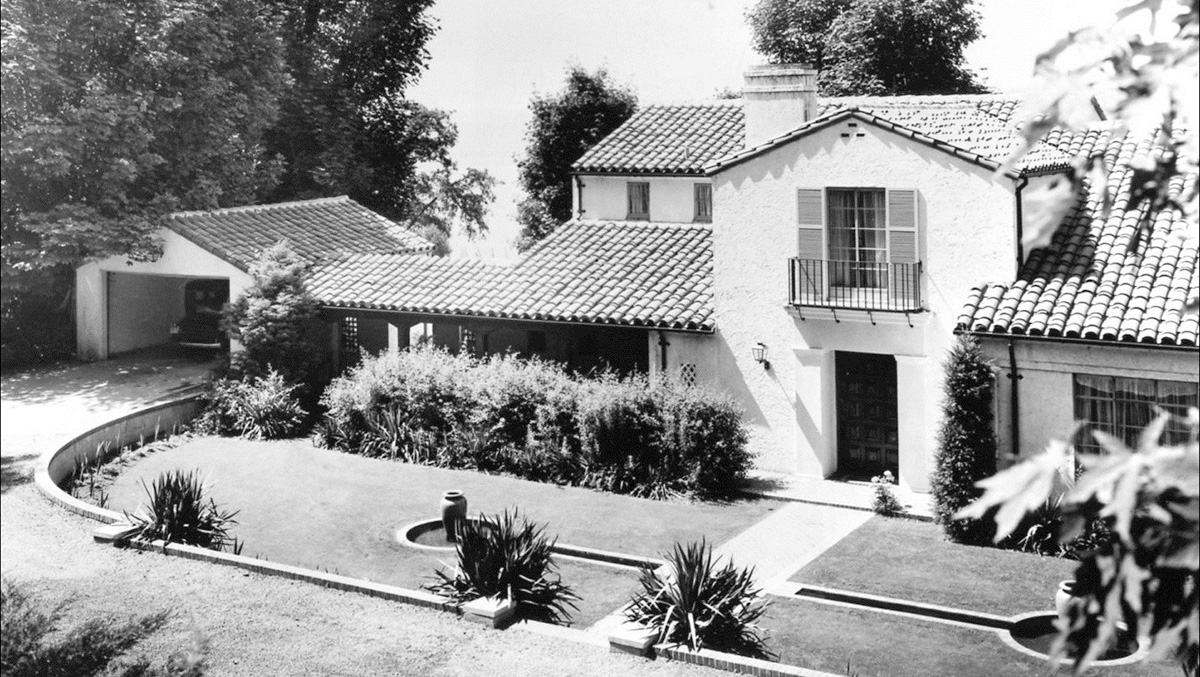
{"points": [[853, 285]]}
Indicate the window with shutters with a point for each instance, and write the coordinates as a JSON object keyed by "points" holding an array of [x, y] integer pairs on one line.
{"points": [[639, 200], [857, 248]]}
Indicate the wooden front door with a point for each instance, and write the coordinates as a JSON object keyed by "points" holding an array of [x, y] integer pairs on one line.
{"points": [[867, 429]]}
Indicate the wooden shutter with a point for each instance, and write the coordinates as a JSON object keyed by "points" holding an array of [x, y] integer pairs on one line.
{"points": [[810, 240], [903, 243]]}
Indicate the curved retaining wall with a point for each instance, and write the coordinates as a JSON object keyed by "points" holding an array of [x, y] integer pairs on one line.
{"points": [[56, 465]]}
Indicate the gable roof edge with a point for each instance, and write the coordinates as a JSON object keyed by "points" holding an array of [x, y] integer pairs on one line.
{"points": [[870, 118]]}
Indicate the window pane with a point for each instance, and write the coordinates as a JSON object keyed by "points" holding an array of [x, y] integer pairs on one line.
{"points": [[639, 199]]}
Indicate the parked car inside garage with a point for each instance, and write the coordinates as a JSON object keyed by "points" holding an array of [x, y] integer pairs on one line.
{"points": [[200, 326]]}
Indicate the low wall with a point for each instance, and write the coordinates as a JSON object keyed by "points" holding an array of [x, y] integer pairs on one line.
{"points": [[57, 465]]}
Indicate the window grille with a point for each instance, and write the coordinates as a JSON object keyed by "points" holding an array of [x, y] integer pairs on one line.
{"points": [[349, 334], [687, 374]]}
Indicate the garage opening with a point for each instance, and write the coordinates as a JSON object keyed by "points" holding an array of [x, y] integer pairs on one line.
{"points": [[152, 310]]}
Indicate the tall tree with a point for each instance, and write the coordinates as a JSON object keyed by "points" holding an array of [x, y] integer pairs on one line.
{"points": [[114, 113], [563, 127], [872, 47], [348, 128]]}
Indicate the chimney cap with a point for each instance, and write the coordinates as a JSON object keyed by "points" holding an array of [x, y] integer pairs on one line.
{"points": [[780, 69]]}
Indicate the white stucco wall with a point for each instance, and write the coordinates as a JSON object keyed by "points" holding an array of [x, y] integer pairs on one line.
{"points": [[700, 350], [672, 199], [181, 258], [1046, 390], [967, 236]]}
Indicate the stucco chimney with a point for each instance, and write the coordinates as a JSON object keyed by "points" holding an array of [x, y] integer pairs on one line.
{"points": [[777, 99]]}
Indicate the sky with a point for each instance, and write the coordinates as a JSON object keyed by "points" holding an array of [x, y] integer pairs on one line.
{"points": [[489, 58]]}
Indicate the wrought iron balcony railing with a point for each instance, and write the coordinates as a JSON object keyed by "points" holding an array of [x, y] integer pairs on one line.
{"points": [[855, 285]]}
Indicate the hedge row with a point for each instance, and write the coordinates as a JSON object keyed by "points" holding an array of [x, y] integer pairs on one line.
{"points": [[531, 419]]}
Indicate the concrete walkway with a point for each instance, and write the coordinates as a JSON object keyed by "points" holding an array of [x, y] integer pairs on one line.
{"points": [[790, 538], [844, 494], [776, 546]]}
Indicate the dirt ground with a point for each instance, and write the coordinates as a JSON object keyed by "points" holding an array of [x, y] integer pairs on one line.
{"points": [[254, 625]]}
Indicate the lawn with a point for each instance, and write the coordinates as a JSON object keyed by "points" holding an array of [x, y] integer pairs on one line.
{"points": [[338, 512], [826, 637], [912, 560]]}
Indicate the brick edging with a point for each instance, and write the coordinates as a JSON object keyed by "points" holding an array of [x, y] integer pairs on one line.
{"points": [[734, 663]]}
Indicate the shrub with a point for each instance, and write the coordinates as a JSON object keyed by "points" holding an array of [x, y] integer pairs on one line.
{"points": [[396, 403], [500, 557], [178, 513], [884, 501], [254, 408], [966, 450], [703, 435], [278, 323], [619, 438], [31, 642], [531, 419], [700, 604]]}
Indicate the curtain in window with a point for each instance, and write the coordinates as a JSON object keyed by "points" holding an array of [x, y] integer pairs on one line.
{"points": [[1122, 407], [857, 239]]}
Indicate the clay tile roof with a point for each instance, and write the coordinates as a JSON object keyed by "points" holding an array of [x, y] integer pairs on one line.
{"points": [[315, 229], [1102, 277], [688, 138], [668, 140], [623, 273], [979, 129]]}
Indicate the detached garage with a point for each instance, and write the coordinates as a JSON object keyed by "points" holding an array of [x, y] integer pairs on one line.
{"points": [[123, 305]]}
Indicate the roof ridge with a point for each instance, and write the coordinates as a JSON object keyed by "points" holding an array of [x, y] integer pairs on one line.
{"points": [[261, 207], [662, 225]]}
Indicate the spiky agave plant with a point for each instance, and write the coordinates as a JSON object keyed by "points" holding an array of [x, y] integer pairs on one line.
{"points": [[702, 604], [177, 512], [508, 556]]}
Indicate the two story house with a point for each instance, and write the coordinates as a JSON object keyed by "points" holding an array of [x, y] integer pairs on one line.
{"points": [[847, 237], [815, 259]]}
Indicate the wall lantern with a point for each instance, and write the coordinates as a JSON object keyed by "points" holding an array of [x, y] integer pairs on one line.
{"points": [[760, 355]]}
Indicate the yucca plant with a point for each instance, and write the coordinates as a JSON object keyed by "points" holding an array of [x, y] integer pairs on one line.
{"points": [[507, 556], [177, 512], [701, 604]]}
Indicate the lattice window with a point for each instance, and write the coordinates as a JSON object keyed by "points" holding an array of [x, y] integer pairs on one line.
{"points": [[687, 374], [349, 334]]}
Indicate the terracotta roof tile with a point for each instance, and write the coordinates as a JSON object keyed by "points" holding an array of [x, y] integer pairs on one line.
{"points": [[1102, 277], [316, 229], [668, 140], [626, 273], [686, 139]]}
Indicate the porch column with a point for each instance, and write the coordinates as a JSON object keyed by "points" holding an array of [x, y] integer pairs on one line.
{"points": [[816, 437], [916, 408]]}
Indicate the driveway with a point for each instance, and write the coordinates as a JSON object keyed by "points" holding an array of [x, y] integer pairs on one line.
{"points": [[45, 405]]}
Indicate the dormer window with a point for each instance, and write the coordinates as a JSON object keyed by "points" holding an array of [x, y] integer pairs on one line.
{"points": [[703, 195], [639, 200]]}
